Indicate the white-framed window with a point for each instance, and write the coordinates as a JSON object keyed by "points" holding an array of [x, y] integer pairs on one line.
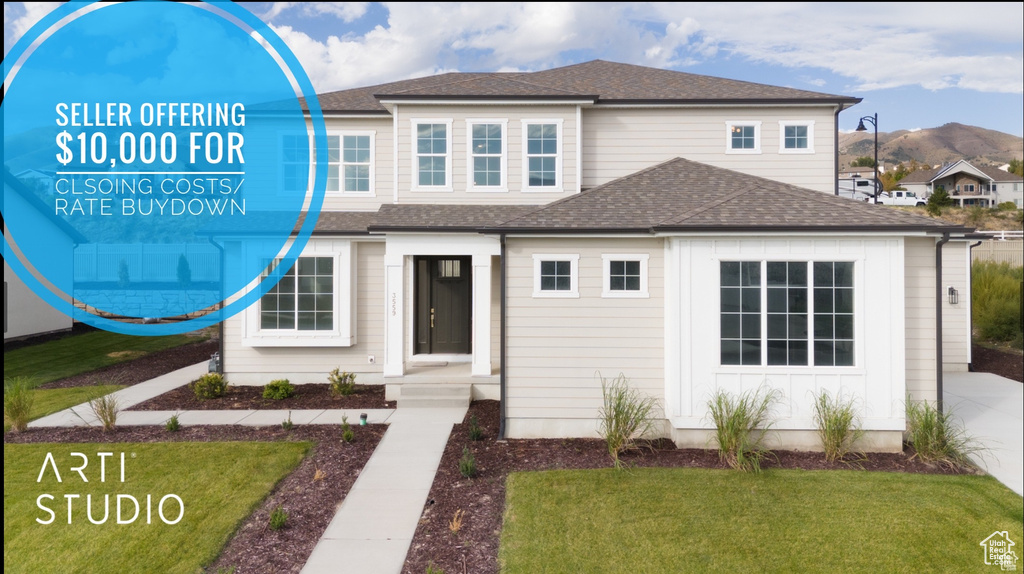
{"points": [[968, 188], [625, 275], [796, 137], [488, 154], [312, 303], [743, 137], [355, 152], [432, 155], [792, 313], [556, 275], [296, 162], [542, 155]]}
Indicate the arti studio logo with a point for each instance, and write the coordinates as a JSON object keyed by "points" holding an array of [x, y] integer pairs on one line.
{"points": [[999, 551]]}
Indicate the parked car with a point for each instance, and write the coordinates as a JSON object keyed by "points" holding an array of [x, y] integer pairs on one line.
{"points": [[900, 198]]}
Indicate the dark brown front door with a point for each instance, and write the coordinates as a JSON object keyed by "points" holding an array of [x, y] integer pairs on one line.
{"points": [[443, 305]]}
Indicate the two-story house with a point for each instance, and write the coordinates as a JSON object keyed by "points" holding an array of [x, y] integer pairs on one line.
{"points": [[968, 185], [526, 233]]}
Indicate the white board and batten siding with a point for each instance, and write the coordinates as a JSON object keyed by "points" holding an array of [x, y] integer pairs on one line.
{"points": [[694, 371], [621, 141], [559, 347], [258, 365]]}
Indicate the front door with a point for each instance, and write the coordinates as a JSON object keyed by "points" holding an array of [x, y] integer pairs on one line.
{"points": [[443, 305]]}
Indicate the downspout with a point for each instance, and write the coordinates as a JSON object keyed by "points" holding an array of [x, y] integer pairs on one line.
{"points": [[938, 320], [835, 152], [220, 324], [502, 341], [970, 303]]}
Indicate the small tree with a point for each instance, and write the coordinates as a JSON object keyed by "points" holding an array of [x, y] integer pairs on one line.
{"points": [[938, 199], [184, 271], [123, 277], [863, 161], [1017, 167]]}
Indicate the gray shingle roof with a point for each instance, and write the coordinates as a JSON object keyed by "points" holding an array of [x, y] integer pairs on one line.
{"points": [[997, 175], [445, 217], [599, 80], [680, 195]]}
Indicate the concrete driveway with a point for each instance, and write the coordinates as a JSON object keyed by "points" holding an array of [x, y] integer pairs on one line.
{"points": [[992, 410]]}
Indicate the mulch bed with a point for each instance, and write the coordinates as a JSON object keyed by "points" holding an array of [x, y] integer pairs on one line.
{"points": [[311, 396], [1003, 363], [482, 499], [144, 368], [310, 504]]}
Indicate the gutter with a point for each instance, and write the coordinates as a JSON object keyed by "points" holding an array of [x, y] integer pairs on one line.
{"points": [[938, 320], [502, 386], [835, 151], [220, 324]]}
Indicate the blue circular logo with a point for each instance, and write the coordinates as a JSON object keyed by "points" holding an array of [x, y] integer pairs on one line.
{"points": [[158, 162]]}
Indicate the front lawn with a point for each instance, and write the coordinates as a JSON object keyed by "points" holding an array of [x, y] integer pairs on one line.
{"points": [[697, 520], [82, 353], [219, 483], [48, 401]]}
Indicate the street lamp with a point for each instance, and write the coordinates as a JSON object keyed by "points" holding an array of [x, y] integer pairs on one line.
{"points": [[860, 128]]}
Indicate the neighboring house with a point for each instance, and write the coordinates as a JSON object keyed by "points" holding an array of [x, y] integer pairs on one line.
{"points": [[968, 185], [25, 313], [527, 233]]}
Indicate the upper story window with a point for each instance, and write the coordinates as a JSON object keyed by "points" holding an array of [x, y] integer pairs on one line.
{"points": [[432, 158], [488, 155], [625, 275], [743, 137], [295, 162], [542, 145], [796, 137], [356, 162], [556, 275], [787, 313]]}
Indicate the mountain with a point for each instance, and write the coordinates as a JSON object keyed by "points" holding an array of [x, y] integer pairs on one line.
{"points": [[933, 146]]}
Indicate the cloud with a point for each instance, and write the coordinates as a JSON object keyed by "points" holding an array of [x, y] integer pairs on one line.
{"points": [[19, 20], [347, 11]]}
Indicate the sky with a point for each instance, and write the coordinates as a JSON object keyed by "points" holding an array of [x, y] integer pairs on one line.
{"points": [[915, 65]]}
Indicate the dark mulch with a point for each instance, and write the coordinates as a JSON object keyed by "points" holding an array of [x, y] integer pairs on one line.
{"points": [[310, 503], [311, 396], [1007, 364], [144, 368], [482, 499]]}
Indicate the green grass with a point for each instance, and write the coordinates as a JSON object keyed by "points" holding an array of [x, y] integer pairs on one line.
{"points": [[219, 483], [995, 294], [49, 401], [77, 354], [697, 520]]}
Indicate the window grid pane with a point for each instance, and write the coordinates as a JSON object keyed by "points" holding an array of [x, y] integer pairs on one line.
{"points": [[303, 299], [787, 313], [356, 163], [486, 148], [796, 137], [624, 276], [833, 314], [542, 154], [555, 275], [740, 312], [743, 137], [432, 151], [295, 162]]}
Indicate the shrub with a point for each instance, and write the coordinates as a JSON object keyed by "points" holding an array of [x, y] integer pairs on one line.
{"points": [[210, 386], [741, 424], [455, 524], [172, 424], [626, 416], [18, 399], [342, 384], [106, 409], [278, 518], [937, 437], [467, 464], [937, 200], [287, 423], [278, 389], [995, 300], [431, 569], [838, 425], [1007, 206], [475, 432], [347, 434]]}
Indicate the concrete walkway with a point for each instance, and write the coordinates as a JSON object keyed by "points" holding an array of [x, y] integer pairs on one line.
{"points": [[374, 525], [992, 410]]}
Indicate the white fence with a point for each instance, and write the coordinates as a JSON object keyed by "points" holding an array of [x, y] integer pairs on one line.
{"points": [[1001, 250], [149, 263]]}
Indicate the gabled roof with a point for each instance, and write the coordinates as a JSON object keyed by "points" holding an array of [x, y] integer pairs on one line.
{"points": [[683, 195], [596, 81], [931, 175]]}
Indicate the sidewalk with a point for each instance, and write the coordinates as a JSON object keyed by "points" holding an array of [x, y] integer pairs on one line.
{"points": [[992, 410], [373, 528]]}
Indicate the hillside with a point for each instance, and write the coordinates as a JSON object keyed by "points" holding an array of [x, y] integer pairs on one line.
{"points": [[933, 146]]}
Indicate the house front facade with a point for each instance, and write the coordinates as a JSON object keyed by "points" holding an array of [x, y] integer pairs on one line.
{"points": [[527, 234], [968, 185]]}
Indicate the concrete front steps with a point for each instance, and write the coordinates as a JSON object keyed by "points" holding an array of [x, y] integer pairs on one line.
{"points": [[434, 396]]}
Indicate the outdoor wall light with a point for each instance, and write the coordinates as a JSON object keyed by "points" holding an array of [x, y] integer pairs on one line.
{"points": [[362, 416], [954, 296]]}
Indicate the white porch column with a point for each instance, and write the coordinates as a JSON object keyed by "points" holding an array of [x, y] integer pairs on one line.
{"points": [[481, 316], [394, 285]]}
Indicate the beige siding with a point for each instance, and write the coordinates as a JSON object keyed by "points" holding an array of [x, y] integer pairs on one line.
{"points": [[258, 365], [515, 115], [956, 319], [383, 162], [920, 317], [558, 347], [620, 141]]}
